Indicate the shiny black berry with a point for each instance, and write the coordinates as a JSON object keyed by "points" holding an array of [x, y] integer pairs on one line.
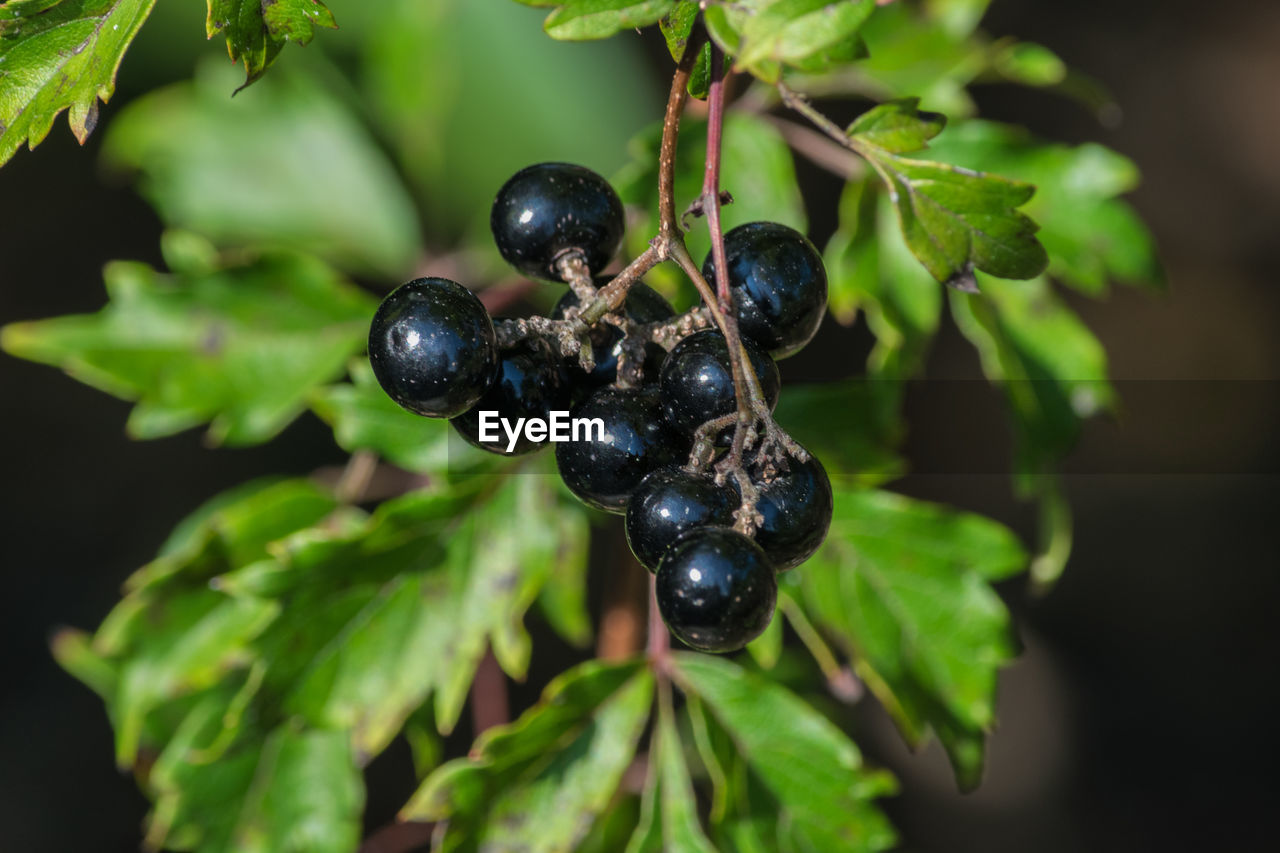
{"points": [[643, 305], [529, 384], [670, 501], [716, 589], [796, 508], [549, 209], [433, 348], [697, 380], [604, 465], [779, 285]]}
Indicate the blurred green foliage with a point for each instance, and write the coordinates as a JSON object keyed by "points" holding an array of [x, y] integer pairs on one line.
{"points": [[283, 636]]}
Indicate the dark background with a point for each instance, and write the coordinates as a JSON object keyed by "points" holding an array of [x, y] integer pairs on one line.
{"points": [[1140, 714]]}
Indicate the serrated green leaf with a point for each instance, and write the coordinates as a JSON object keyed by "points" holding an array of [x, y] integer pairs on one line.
{"points": [[778, 32], [956, 220], [1090, 234], [898, 127], [677, 26], [266, 167], [60, 55], [815, 773], [256, 31], [286, 790], [543, 779], [904, 587], [581, 20], [234, 528], [188, 642], [242, 347]]}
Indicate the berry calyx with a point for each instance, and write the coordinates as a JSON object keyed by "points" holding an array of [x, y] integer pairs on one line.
{"points": [[779, 285], [547, 210], [716, 589], [643, 305], [529, 384], [603, 467], [669, 502], [433, 347], [795, 509], [697, 380]]}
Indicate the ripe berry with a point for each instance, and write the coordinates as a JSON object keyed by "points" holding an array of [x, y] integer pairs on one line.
{"points": [[636, 441], [433, 348], [670, 501], [716, 590], [529, 384], [549, 209], [779, 285], [643, 305], [796, 508], [697, 380]]}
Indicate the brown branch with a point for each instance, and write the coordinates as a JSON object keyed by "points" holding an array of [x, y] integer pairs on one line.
{"points": [[489, 705]]}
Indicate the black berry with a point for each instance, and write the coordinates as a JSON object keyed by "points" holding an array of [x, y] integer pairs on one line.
{"points": [[716, 589], [670, 501], [549, 209], [643, 305], [433, 348], [779, 285], [529, 384], [796, 508], [636, 440], [697, 380]]}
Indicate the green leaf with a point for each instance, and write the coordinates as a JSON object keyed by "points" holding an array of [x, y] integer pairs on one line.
{"points": [[955, 219], [1090, 234], [677, 26], [581, 20], [234, 529], [679, 817], [870, 268], [904, 587], [815, 773], [405, 607], [436, 98], [289, 789], [777, 32], [242, 346], [563, 597], [363, 417], [256, 31], [266, 169], [187, 643], [538, 783], [898, 127], [756, 167], [1030, 64], [767, 648], [1053, 370], [849, 424], [60, 55]]}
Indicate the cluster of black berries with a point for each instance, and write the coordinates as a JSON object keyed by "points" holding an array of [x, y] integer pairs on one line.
{"points": [[436, 352]]}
